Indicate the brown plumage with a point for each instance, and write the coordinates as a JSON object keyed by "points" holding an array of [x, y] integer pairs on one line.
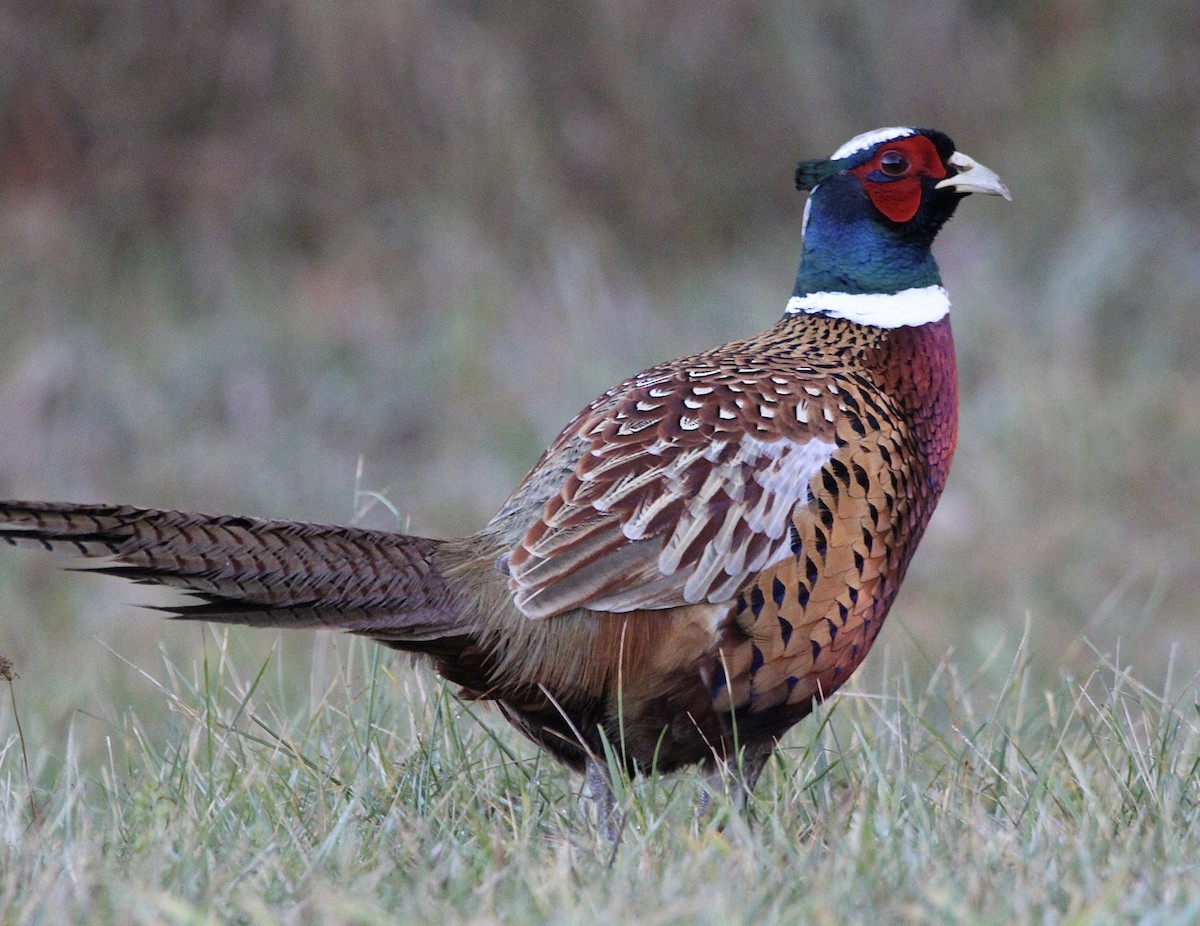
{"points": [[706, 550]]}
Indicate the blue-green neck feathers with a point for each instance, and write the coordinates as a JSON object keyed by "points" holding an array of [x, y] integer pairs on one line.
{"points": [[849, 248]]}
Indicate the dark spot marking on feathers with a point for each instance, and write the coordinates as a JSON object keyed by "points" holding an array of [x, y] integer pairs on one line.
{"points": [[839, 470], [860, 476]]}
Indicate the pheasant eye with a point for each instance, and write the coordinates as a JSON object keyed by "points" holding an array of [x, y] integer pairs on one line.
{"points": [[893, 163]]}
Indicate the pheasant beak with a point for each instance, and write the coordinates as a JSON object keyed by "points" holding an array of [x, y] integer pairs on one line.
{"points": [[973, 177]]}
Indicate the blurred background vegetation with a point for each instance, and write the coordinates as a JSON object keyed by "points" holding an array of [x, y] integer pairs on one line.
{"points": [[245, 245]]}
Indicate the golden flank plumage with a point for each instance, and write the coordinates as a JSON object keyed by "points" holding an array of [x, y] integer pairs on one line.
{"points": [[705, 551]]}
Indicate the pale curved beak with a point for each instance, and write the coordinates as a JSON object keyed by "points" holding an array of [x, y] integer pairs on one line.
{"points": [[973, 177]]}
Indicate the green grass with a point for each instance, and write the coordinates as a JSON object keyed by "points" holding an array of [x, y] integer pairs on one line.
{"points": [[379, 797]]}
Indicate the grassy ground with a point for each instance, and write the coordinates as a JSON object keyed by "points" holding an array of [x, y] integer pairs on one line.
{"points": [[379, 797]]}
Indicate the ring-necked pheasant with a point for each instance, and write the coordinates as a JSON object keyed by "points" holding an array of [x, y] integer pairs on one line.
{"points": [[704, 551]]}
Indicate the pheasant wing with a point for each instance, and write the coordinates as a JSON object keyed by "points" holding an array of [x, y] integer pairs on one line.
{"points": [[672, 489]]}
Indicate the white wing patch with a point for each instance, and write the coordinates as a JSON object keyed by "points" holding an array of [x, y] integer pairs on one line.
{"points": [[782, 471]]}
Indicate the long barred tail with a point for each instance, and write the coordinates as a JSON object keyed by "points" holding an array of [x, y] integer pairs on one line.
{"points": [[251, 571]]}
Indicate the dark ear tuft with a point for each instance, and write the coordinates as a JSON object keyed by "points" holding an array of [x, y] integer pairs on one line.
{"points": [[941, 141], [810, 173]]}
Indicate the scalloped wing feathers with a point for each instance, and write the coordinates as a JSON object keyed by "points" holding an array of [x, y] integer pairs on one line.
{"points": [[683, 485]]}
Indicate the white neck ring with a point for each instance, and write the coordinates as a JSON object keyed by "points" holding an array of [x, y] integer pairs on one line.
{"points": [[919, 305]]}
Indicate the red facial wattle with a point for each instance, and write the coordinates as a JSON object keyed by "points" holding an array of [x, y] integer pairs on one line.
{"points": [[893, 177]]}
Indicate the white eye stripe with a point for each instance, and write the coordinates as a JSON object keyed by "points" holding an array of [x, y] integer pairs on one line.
{"points": [[870, 140]]}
